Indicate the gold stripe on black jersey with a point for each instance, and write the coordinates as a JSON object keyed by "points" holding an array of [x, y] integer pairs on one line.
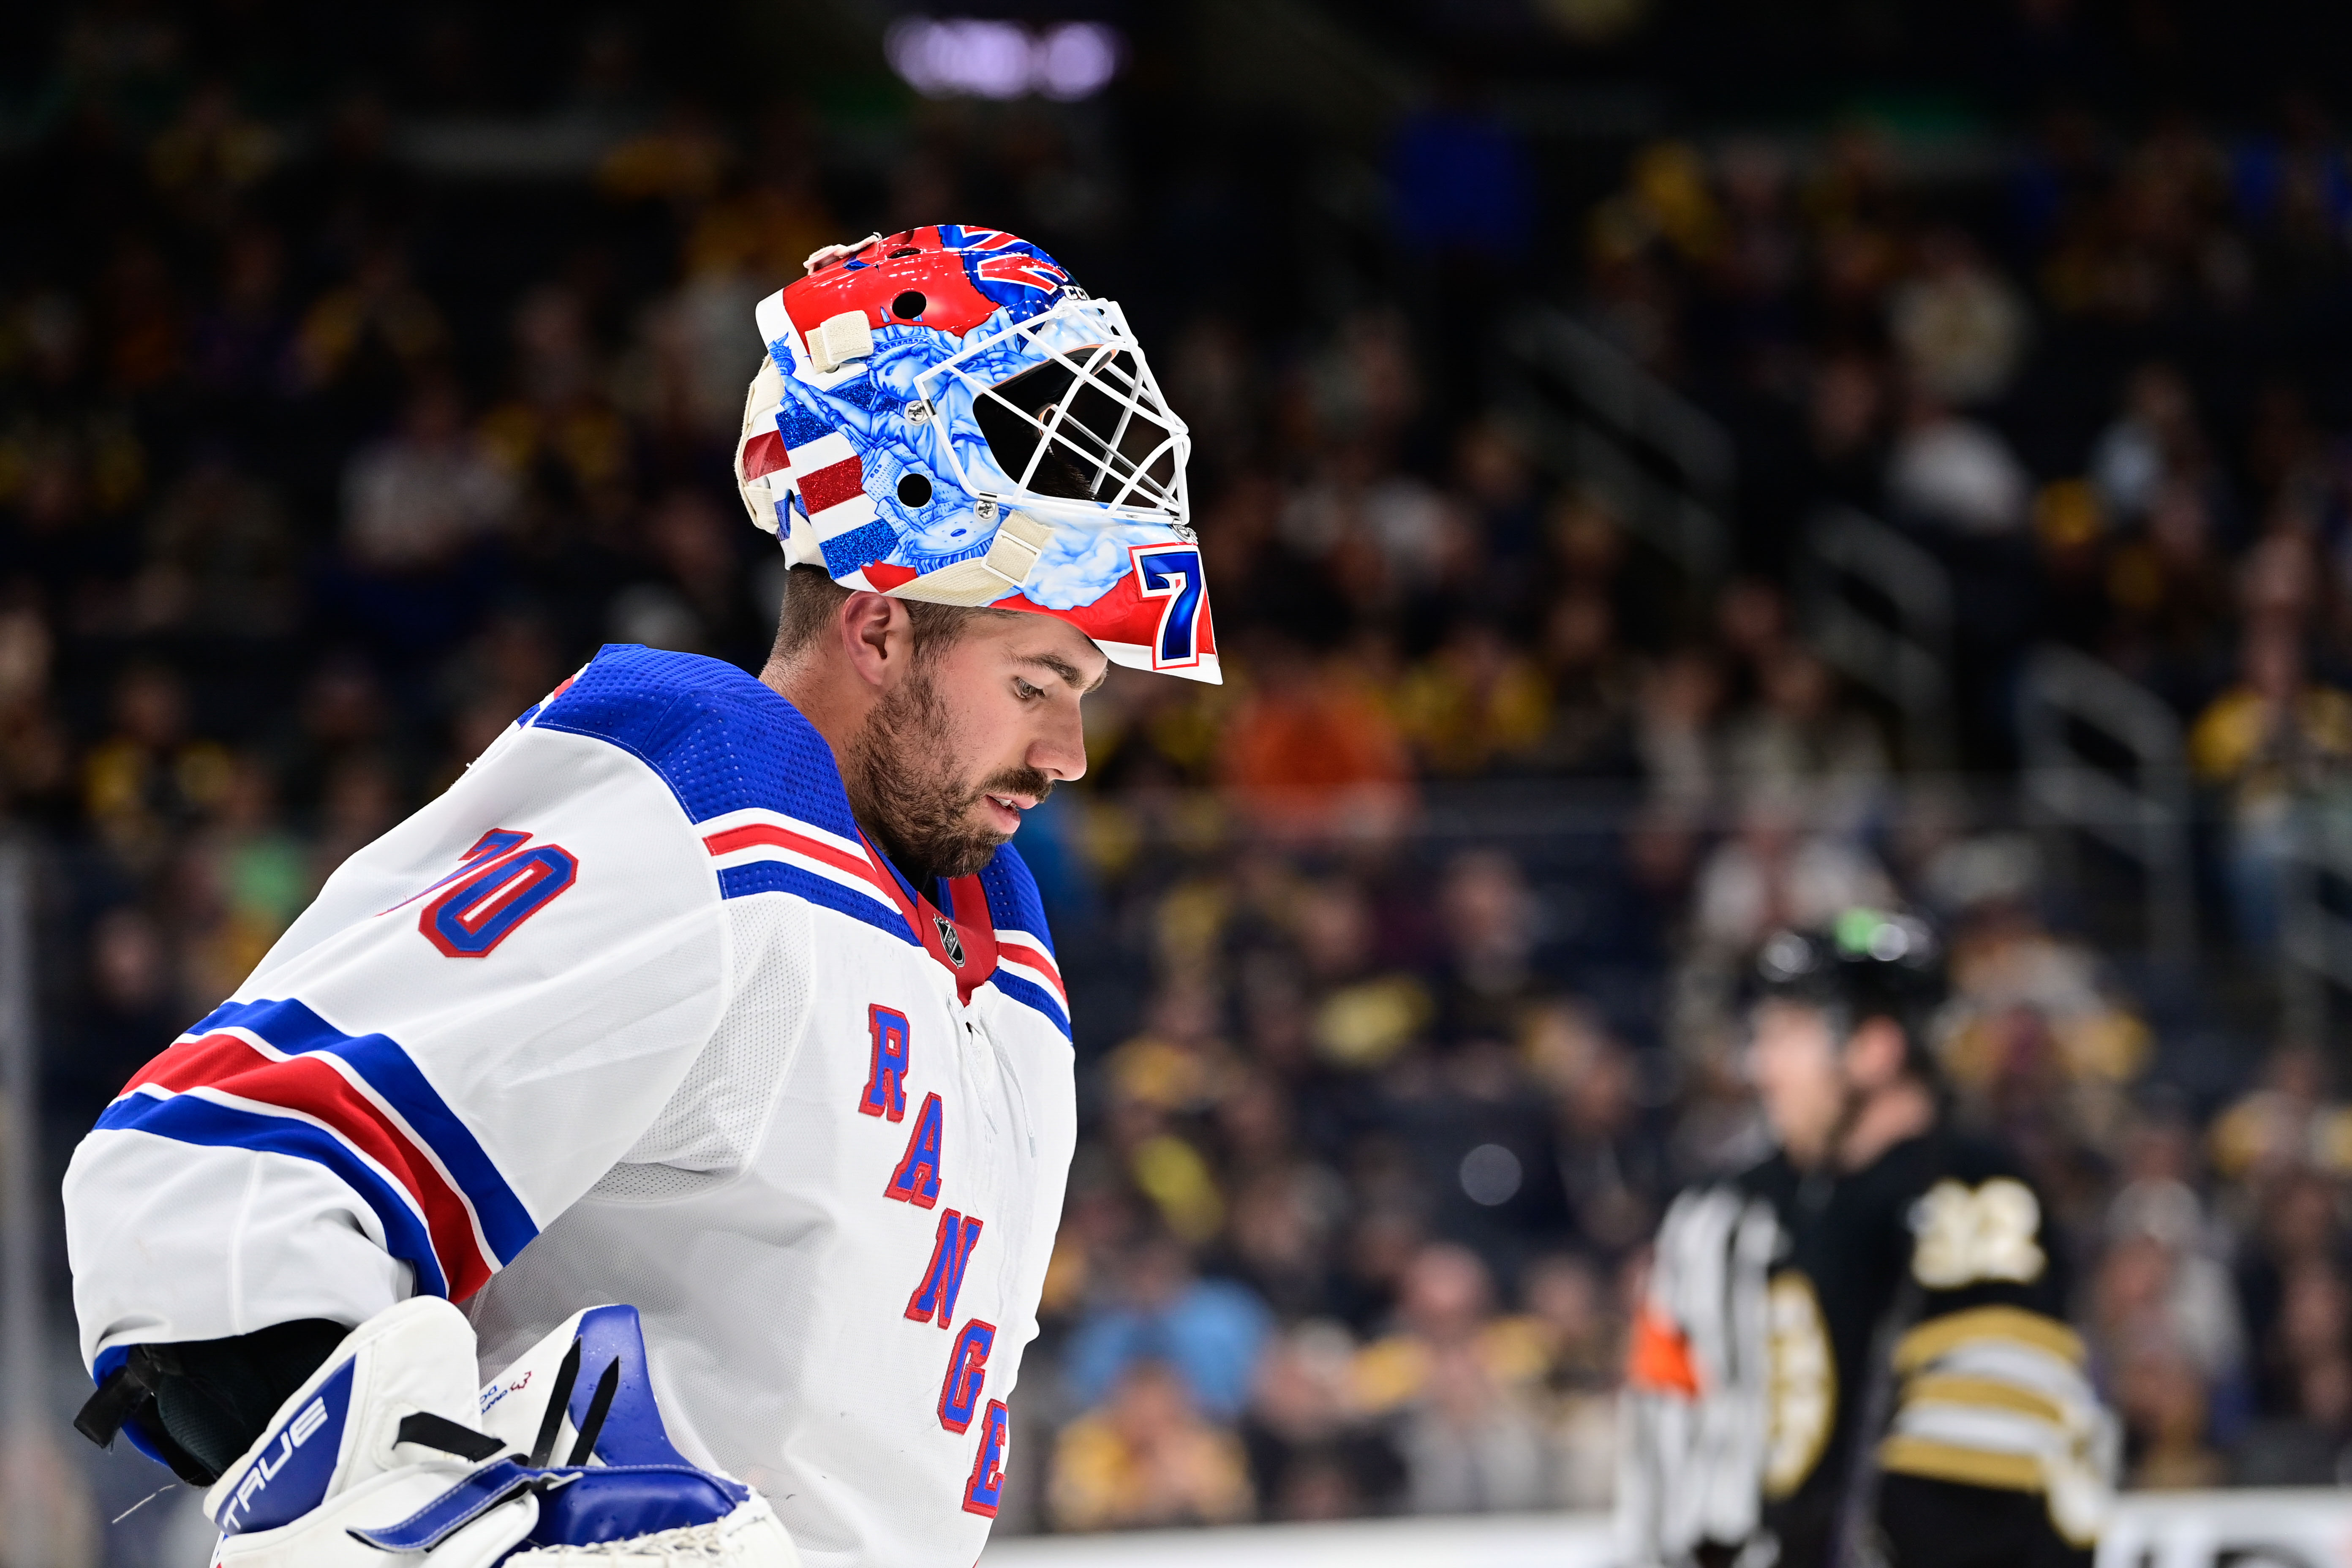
{"points": [[1924, 1456], [1941, 1336]]}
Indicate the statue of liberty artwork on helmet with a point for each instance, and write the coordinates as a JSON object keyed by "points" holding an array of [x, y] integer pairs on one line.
{"points": [[944, 414]]}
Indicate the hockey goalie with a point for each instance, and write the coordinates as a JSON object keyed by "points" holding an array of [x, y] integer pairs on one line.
{"points": [[651, 1150], [1854, 1354]]}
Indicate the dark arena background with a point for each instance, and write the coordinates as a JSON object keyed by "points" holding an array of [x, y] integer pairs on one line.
{"points": [[1666, 467]]}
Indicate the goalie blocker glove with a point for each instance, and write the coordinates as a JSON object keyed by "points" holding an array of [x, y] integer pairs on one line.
{"points": [[387, 1455]]}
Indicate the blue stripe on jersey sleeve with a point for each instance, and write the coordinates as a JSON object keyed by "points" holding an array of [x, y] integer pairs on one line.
{"points": [[295, 1029], [721, 741], [779, 877], [1029, 994], [191, 1119]]}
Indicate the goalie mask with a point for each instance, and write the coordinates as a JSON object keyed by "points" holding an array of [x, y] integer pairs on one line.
{"points": [[944, 416]]}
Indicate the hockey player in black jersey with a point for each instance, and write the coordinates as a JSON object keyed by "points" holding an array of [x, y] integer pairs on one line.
{"points": [[1855, 1353]]}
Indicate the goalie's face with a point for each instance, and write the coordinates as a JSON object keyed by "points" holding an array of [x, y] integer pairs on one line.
{"points": [[966, 738], [1801, 1081]]}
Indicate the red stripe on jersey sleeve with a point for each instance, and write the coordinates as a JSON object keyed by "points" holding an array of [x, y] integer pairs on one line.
{"points": [[308, 1085], [756, 833]]}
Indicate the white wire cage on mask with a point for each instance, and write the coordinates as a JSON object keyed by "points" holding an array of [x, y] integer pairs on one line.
{"points": [[1059, 415]]}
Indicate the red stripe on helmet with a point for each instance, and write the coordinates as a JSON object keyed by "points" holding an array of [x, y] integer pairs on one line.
{"points": [[832, 485], [763, 454]]}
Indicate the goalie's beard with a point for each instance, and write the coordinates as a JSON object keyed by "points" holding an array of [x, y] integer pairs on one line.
{"points": [[905, 788]]}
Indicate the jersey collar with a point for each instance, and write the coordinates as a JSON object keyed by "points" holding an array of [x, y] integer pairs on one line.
{"points": [[962, 940]]}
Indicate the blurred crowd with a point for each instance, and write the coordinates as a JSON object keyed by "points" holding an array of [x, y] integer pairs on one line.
{"points": [[1406, 965]]}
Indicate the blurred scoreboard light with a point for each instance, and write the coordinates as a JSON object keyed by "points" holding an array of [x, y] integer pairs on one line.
{"points": [[950, 56]]}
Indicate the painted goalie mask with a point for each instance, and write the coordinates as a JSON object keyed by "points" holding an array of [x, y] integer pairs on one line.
{"points": [[943, 415]]}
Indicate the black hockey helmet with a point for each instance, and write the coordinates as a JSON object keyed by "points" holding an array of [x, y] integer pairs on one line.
{"points": [[1866, 964]]}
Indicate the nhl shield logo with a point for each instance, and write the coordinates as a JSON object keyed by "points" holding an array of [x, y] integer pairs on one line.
{"points": [[950, 940]]}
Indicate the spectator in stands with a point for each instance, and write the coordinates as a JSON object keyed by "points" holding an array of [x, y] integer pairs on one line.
{"points": [[1588, 732], [1471, 1445], [1614, 1169], [1947, 472], [1446, 1308], [1799, 741], [150, 776], [1313, 1455], [1475, 704], [2155, 440], [1457, 1382], [1780, 870], [1489, 928], [132, 1003], [375, 324], [2275, 739], [414, 504], [2288, 1135], [2168, 594], [1576, 1403], [1312, 749], [1146, 1456], [2163, 1404], [2288, 1269], [220, 561], [1675, 736], [36, 760], [1960, 327], [240, 880], [1846, 429], [2035, 1037], [2165, 1300], [1208, 1333], [1284, 1221]]}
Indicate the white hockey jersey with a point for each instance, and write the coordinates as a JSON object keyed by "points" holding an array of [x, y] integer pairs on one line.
{"points": [[633, 1013]]}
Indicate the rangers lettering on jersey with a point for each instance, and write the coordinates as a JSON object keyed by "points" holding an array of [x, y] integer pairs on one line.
{"points": [[944, 1276], [967, 1372], [916, 1179], [886, 1080]]}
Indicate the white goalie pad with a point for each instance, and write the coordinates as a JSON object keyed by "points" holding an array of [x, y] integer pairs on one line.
{"points": [[383, 1458]]}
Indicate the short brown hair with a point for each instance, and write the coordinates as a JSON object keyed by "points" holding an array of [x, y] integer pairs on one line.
{"points": [[812, 600]]}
